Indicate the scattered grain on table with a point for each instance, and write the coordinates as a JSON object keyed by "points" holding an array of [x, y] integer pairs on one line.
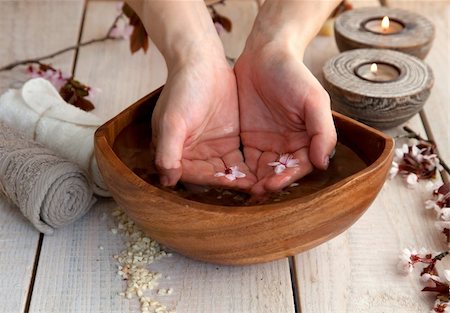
{"points": [[133, 264]]}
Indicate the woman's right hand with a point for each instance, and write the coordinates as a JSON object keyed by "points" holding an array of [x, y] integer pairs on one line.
{"points": [[195, 124]]}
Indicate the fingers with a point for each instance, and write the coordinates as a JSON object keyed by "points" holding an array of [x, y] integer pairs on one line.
{"points": [[270, 181], [212, 172], [320, 128], [169, 151]]}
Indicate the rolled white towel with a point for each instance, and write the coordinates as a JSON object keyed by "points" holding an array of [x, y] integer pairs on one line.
{"points": [[42, 115]]}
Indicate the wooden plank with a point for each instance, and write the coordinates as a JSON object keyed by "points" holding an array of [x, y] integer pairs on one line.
{"points": [[28, 30], [35, 28], [437, 107], [356, 271], [74, 275], [18, 246]]}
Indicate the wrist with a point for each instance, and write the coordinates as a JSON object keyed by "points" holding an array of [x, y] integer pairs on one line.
{"points": [[194, 49], [289, 24]]}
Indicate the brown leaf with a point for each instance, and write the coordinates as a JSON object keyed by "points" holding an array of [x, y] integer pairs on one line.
{"points": [[84, 104], [222, 20], [139, 36], [74, 92], [138, 39]]}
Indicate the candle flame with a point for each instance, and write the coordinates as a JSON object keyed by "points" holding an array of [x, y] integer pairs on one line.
{"points": [[374, 68], [385, 23]]}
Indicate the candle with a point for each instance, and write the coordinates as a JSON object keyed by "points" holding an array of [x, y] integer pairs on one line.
{"points": [[377, 72], [382, 88], [384, 26]]}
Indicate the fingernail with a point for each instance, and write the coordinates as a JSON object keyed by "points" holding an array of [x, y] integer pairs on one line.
{"points": [[164, 180], [326, 162]]}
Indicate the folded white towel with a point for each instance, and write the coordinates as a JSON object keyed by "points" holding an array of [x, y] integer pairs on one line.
{"points": [[42, 114]]}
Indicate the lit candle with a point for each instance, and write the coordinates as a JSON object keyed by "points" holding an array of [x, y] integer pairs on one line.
{"points": [[378, 73], [384, 26]]}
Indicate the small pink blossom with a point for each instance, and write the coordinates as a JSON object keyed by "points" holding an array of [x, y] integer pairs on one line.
{"points": [[442, 225], [122, 32], [400, 152], [440, 307], [408, 258], [412, 179], [231, 173], [429, 279], [55, 76], [93, 92], [394, 170], [285, 160], [219, 28], [432, 205]]}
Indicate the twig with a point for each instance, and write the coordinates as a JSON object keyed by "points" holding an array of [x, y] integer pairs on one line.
{"points": [[54, 54]]}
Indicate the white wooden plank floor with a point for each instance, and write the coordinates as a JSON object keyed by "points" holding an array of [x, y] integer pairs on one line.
{"points": [[27, 29], [355, 272]]}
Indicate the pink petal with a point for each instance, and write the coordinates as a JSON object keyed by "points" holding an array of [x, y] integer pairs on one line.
{"points": [[279, 168], [219, 174], [230, 177], [292, 163], [127, 31], [239, 174], [412, 179], [285, 157], [219, 28], [115, 32], [273, 163]]}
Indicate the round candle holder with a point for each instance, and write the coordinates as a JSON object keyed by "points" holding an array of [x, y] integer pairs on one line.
{"points": [[383, 100], [407, 32]]}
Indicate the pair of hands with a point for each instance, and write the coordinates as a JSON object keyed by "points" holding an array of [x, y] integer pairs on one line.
{"points": [[271, 102]]}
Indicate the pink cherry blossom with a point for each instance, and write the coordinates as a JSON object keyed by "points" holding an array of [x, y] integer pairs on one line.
{"points": [[394, 170], [412, 179], [285, 160], [442, 225], [122, 31], [219, 28], [408, 258], [440, 307], [231, 173]]}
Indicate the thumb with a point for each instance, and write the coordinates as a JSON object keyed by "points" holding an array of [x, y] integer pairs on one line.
{"points": [[169, 151]]}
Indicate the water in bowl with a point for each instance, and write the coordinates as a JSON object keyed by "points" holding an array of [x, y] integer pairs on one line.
{"points": [[133, 147]]}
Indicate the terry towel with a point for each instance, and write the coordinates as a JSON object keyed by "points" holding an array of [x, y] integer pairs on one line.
{"points": [[51, 192], [42, 115]]}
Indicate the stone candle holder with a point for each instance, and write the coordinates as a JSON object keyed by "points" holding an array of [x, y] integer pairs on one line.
{"points": [[407, 32], [381, 88]]}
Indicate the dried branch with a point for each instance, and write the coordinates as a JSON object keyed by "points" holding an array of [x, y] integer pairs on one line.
{"points": [[54, 54]]}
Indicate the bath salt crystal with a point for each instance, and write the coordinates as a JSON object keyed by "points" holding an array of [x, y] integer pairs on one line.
{"points": [[132, 261]]}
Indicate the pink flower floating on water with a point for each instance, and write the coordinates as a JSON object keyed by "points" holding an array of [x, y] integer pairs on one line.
{"points": [[231, 173], [285, 160]]}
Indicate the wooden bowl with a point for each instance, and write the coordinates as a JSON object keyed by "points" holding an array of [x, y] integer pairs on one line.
{"points": [[383, 104], [325, 207]]}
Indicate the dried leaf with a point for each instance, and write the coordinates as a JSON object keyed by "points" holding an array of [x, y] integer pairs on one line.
{"points": [[222, 20], [74, 92], [138, 39], [139, 36]]}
